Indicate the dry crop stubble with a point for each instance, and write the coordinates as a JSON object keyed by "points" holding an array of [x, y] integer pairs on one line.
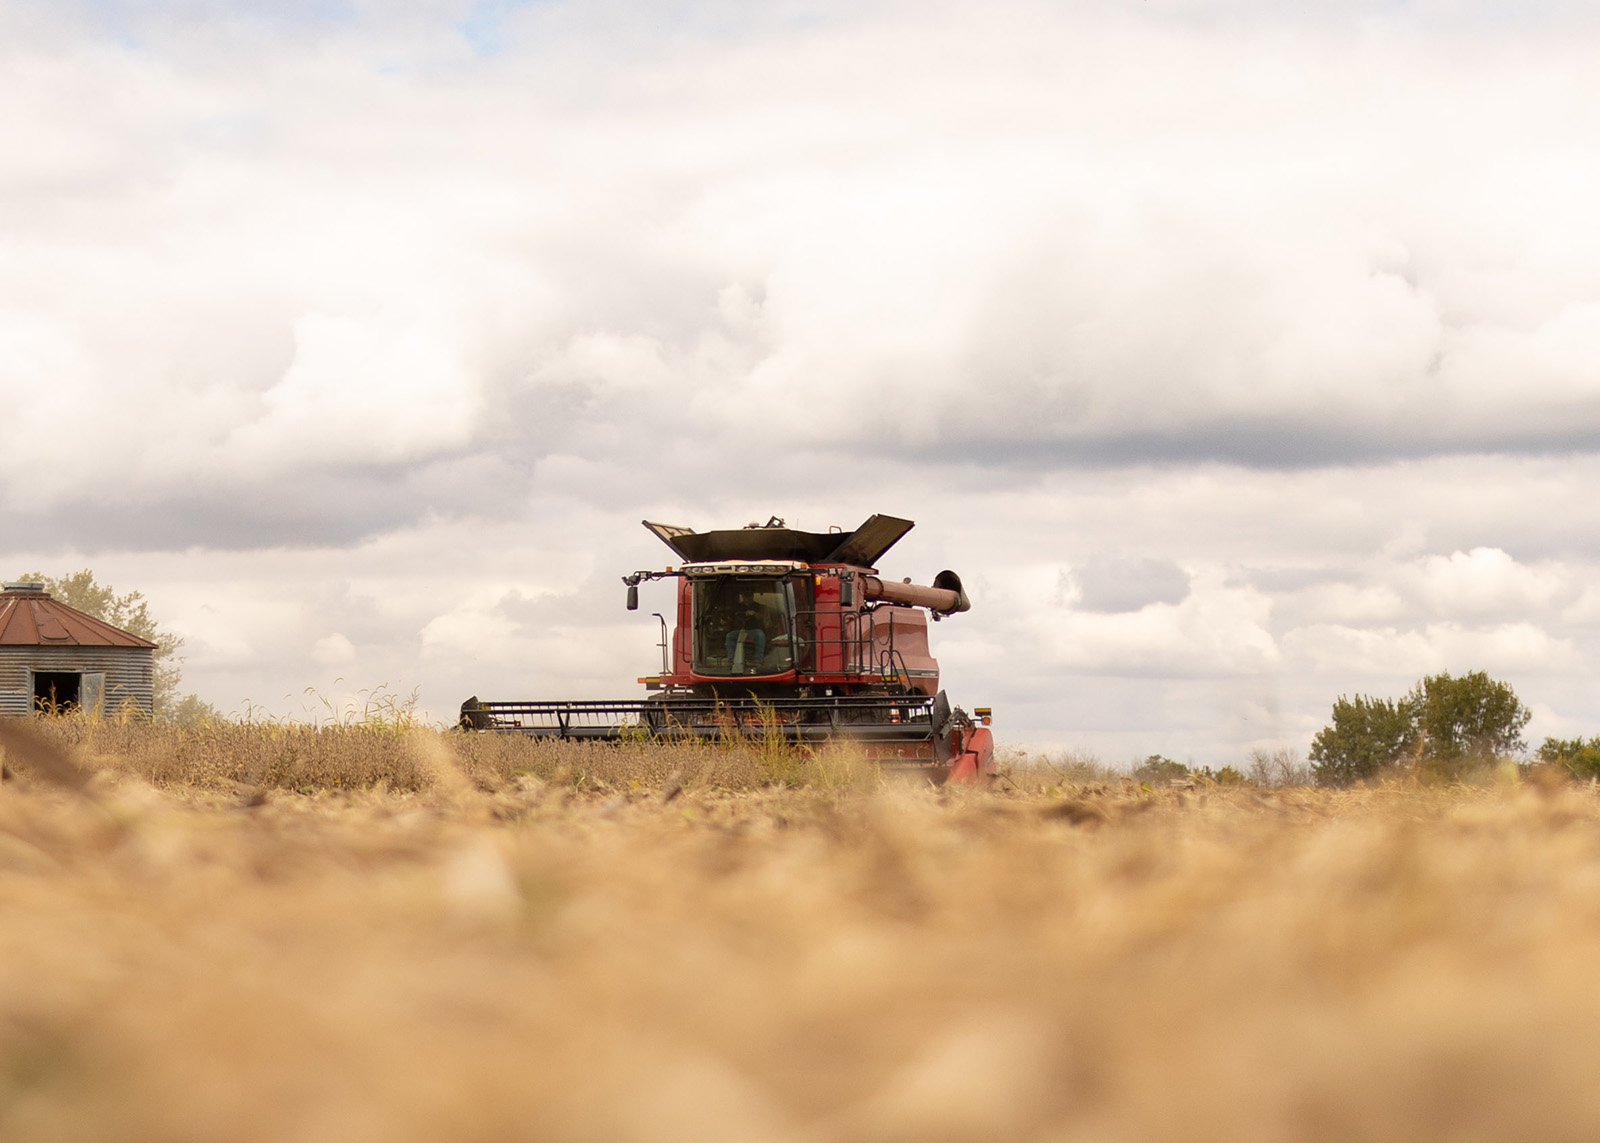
{"points": [[541, 942]]}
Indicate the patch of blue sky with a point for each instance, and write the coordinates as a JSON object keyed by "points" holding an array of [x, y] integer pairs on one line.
{"points": [[484, 25]]}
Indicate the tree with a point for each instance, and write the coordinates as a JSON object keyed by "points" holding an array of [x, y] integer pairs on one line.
{"points": [[1159, 769], [1227, 776], [1577, 756], [129, 612], [1467, 720], [1278, 767], [193, 709], [1367, 736], [1450, 725]]}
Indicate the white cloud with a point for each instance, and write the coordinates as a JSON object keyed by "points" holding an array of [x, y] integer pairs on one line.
{"points": [[1475, 586], [394, 327], [1484, 582], [384, 391], [1115, 583], [470, 628], [1345, 603], [1585, 610], [1106, 226], [334, 650], [1215, 629], [1431, 649]]}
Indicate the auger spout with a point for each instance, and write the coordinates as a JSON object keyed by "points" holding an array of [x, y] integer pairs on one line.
{"points": [[945, 597]]}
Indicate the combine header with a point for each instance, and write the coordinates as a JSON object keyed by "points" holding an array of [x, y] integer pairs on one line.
{"points": [[790, 633]]}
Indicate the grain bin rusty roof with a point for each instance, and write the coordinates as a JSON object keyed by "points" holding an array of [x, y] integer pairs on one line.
{"points": [[30, 618]]}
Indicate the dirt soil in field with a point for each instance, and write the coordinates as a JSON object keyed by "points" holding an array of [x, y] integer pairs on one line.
{"points": [[210, 938]]}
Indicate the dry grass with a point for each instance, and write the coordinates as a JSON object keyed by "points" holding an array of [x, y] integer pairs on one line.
{"points": [[470, 938], [225, 756]]}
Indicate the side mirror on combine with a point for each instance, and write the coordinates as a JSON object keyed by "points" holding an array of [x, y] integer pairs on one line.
{"points": [[633, 597]]}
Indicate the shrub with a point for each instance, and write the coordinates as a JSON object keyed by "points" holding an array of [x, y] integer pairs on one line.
{"points": [[1579, 757]]}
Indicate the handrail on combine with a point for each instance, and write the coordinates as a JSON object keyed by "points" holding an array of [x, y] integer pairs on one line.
{"points": [[856, 640]]}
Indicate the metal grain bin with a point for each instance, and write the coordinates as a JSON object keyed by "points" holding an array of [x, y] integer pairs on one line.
{"points": [[54, 657]]}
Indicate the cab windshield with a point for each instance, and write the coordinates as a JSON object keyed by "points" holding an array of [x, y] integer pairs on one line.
{"points": [[746, 626]]}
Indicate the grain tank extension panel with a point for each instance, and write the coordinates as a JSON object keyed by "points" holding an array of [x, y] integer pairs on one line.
{"points": [[861, 548]]}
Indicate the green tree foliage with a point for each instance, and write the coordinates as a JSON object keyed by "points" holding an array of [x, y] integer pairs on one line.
{"points": [[1159, 769], [1227, 776], [1579, 757], [129, 612], [1449, 725], [1468, 719], [1367, 736], [192, 710]]}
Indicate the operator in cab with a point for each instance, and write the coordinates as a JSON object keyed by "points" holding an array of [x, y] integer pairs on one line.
{"points": [[746, 640]]}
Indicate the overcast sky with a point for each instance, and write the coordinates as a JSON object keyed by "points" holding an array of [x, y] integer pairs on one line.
{"points": [[1237, 354]]}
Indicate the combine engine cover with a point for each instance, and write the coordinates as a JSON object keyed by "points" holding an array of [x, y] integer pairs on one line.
{"points": [[789, 632]]}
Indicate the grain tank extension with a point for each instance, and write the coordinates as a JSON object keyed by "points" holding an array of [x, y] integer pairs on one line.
{"points": [[781, 631]]}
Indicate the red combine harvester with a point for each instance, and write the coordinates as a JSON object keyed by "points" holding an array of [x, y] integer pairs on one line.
{"points": [[788, 632]]}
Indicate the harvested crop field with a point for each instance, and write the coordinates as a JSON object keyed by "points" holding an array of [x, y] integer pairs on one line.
{"points": [[280, 934]]}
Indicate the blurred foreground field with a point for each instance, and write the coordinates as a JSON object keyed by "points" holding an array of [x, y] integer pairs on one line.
{"points": [[280, 934]]}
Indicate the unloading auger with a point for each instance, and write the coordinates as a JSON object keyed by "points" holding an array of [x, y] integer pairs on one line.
{"points": [[786, 632]]}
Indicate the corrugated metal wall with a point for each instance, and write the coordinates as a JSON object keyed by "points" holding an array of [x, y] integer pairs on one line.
{"points": [[129, 671]]}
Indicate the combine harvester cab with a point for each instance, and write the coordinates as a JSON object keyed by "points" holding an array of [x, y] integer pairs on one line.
{"points": [[788, 632]]}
